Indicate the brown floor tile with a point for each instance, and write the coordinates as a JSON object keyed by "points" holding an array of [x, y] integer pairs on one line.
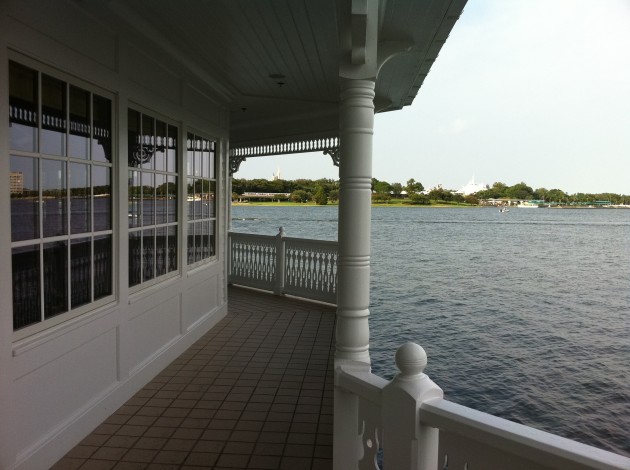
{"points": [[255, 392]]}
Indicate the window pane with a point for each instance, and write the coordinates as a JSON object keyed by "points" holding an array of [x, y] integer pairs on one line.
{"points": [[24, 188], [205, 240], [148, 142], [55, 278], [102, 140], [206, 199], [79, 139], [205, 158], [26, 286], [212, 162], [148, 255], [212, 198], [172, 199], [53, 116], [199, 240], [160, 145], [161, 200], [23, 105], [102, 266], [171, 153], [80, 198], [198, 155], [191, 199], [172, 248], [190, 246], [135, 199], [135, 258], [161, 253], [133, 138], [54, 202], [101, 180], [80, 272], [148, 199], [211, 238], [190, 155]]}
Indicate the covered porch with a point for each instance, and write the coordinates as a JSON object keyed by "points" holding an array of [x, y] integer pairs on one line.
{"points": [[157, 104], [254, 392]]}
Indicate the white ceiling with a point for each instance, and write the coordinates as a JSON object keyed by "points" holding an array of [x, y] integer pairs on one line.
{"points": [[277, 61]]}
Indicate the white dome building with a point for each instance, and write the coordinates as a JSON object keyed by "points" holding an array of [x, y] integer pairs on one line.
{"points": [[471, 187]]}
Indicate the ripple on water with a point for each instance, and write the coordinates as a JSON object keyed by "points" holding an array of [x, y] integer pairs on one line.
{"points": [[523, 317]]}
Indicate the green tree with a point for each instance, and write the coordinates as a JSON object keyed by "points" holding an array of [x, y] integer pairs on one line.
{"points": [[413, 186], [383, 187], [381, 197], [556, 195], [299, 195], [320, 197], [420, 199], [520, 191], [471, 199], [440, 194], [397, 189]]}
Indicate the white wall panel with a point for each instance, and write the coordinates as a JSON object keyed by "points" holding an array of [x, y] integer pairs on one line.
{"points": [[152, 330], [60, 390], [200, 299]]}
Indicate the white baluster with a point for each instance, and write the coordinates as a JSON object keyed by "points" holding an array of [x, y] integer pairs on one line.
{"points": [[280, 260]]}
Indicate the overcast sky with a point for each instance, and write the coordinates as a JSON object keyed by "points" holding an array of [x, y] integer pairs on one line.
{"points": [[523, 90]]}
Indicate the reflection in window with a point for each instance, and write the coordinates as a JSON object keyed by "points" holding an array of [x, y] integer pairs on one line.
{"points": [[61, 201], [80, 200], [201, 173], [152, 204], [23, 108], [24, 188], [53, 116], [80, 129]]}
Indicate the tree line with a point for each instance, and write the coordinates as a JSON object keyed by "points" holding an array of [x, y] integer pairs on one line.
{"points": [[322, 191]]}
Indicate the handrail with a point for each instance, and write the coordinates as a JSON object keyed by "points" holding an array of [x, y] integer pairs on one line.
{"points": [[540, 447], [416, 429], [301, 267]]}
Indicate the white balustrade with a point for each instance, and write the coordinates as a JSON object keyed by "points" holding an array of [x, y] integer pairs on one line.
{"points": [[416, 429], [295, 266]]}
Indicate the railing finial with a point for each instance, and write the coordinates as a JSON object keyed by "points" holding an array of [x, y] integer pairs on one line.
{"points": [[281, 232], [411, 360]]}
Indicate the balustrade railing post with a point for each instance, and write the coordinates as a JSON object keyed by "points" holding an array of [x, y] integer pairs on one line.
{"points": [[409, 445], [278, 287]]}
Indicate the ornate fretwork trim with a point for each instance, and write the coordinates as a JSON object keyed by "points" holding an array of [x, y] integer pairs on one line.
{"points": [[334, 154], [235, 163], [283, 148]]}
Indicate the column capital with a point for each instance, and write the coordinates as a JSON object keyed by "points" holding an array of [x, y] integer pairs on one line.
{"points": [[358, 36]]}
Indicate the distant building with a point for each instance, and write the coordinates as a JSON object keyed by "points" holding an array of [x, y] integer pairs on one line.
{"points": [[471, 187], [16, 182], [277, 175]]}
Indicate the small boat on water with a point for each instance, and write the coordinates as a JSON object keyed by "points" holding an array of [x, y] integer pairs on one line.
{"points": [[533, 204], [504, 209]]}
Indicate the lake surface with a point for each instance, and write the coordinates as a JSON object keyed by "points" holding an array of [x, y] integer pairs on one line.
{"points": [[524, 315]]}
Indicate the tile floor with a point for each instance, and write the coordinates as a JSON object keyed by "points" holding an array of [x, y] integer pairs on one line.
{"points": [[255, 392]]}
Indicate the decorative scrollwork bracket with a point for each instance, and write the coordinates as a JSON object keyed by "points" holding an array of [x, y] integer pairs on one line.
{"points": [[235, 163], [334, 154]]}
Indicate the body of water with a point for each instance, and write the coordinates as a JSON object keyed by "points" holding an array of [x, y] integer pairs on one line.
{"points": [[524, 315]]}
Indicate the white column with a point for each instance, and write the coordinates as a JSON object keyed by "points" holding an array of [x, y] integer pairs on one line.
{"points": [[356, 128], [356, 124]]}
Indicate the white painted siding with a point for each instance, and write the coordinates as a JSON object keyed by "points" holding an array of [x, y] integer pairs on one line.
{"points": [[59, 384]]}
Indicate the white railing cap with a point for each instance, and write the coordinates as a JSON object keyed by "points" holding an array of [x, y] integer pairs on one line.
{"points": [[411, 359]]}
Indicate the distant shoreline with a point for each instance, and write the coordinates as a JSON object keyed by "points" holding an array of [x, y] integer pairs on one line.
{"points": [[400, 204]]}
